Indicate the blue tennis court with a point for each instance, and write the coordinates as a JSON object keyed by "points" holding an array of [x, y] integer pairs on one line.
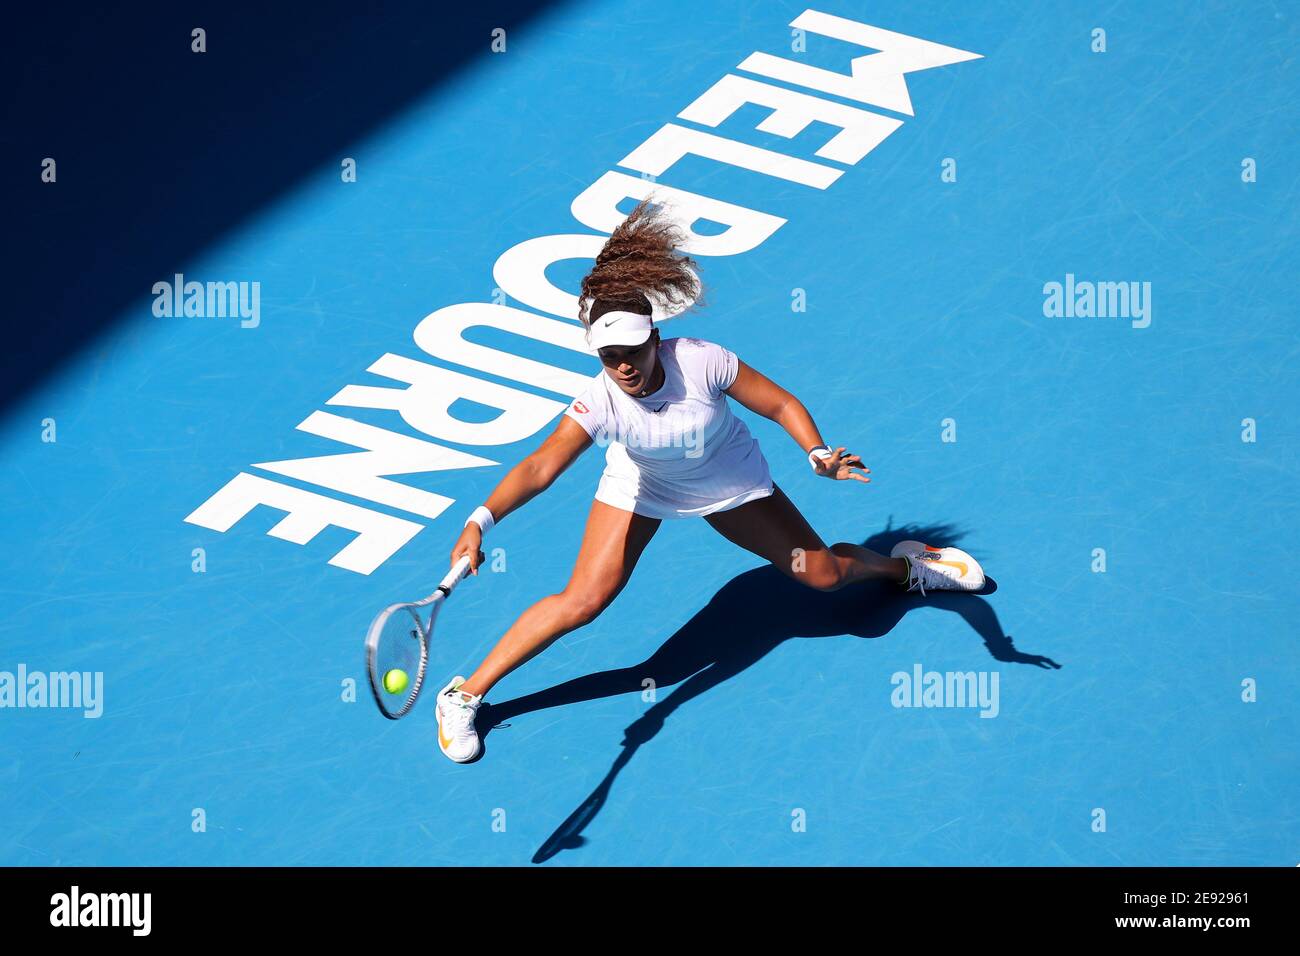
{"points": [[1040, 277]]}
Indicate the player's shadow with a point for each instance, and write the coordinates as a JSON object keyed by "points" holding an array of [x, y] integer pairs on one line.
{"points": [[745, 620]]}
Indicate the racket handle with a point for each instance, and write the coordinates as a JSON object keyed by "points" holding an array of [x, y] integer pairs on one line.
{"points": [[455, 575]]}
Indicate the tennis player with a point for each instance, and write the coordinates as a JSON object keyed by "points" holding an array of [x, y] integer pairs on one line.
{"points": [[673, 450]]}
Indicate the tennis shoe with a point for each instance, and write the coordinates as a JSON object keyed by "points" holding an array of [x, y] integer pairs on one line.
{"points": [[938, 569], [457, 737]]}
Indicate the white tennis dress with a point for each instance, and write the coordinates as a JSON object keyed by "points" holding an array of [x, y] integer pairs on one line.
{"points": [[679, 452]]}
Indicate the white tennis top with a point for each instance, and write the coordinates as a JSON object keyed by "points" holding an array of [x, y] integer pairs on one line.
{"points": [[680, 451]]}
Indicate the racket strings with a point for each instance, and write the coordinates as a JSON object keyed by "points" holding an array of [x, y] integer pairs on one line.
{"points": [[401, 647]]}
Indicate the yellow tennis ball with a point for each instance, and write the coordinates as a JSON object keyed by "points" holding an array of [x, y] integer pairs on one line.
{"points": [[395, 681]]}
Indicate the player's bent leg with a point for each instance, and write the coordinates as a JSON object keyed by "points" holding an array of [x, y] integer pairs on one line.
{"points": [[774, 529], [611, 546]]}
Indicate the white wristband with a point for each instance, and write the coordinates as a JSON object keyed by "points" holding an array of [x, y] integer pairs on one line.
{"points": [[819, 452], [483, 518]]}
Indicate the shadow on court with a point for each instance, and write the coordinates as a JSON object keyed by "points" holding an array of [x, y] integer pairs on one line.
{"points": [[161, 150], [750, 616]]}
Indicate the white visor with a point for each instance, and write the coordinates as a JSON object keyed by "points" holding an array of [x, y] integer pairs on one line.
{"points": [[628, 329]]}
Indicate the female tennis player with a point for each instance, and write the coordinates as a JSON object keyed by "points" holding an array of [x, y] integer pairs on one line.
{"points": [[674, 450]]}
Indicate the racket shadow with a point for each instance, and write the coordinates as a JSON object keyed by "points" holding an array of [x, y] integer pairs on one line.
{"points": [[744, 621]]}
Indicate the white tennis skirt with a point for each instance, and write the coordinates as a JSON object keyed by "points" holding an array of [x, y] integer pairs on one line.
{"points": [[726, 481]]}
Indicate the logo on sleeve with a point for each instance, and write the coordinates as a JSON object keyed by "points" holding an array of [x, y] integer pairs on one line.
{"points": [[580, 408]]}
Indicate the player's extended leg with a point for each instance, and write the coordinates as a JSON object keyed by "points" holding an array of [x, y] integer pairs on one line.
{"points": [[773, 528], [611, 546]]}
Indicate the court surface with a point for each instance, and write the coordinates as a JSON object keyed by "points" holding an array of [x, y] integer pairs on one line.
{"points": [[906, 308]]}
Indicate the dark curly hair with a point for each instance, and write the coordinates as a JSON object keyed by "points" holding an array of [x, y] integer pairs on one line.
{"points": [[638, 263]]}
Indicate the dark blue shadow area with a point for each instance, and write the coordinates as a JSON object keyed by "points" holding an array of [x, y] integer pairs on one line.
{"points": [[747, 619], [161, 150]]}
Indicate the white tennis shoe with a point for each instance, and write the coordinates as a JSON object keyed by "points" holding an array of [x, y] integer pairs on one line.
{"points": [[456, 712], [938, 569]]}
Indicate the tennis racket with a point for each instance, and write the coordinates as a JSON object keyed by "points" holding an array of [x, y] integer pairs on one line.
{"points": [[397, 646]]}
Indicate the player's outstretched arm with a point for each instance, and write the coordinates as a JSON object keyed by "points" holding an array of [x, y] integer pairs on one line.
{"points": [[533, 475], [764, 397]]}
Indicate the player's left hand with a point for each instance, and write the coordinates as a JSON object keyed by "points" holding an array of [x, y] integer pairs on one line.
{"points": [[843, 465]]}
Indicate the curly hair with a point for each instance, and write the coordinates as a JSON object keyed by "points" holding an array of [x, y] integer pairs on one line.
{"points": [[638, 263]]}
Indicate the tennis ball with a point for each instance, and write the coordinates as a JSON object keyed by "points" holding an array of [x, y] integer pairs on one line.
{"points": [[395, 681]]}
